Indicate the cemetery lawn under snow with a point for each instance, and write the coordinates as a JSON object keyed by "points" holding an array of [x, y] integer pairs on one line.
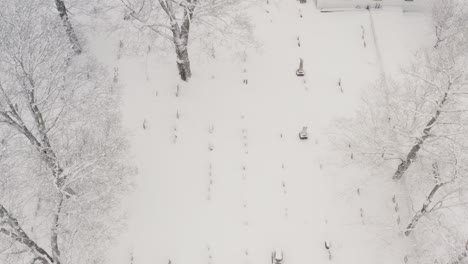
{"points": [[223, 177]]}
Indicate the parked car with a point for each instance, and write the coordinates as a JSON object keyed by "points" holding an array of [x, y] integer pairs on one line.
{"points": [[277, 257]]}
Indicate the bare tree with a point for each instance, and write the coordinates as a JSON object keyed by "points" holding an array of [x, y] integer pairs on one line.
{"points": [[63, 110], [174, 20], [417, 123], [421, 115], [422, 109], [449, 83]]}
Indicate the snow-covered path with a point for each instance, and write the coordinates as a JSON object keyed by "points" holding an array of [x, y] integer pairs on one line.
{"points": [[223, 177]]}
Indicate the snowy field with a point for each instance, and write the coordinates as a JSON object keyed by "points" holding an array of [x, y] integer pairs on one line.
{"points": [[222, 175]]}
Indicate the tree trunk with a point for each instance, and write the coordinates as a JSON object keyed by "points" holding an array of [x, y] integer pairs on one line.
{"points": [[411, 157], [55, 225], [180, 34], [62, 10], [183, 62], [181, 38], [423, 210]]}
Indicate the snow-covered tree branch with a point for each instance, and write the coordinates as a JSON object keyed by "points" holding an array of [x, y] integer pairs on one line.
{"points": [[60, 109], [10, 227], [415, 125], [174, 21]]}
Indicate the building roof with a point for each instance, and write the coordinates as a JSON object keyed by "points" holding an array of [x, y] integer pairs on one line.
{"points": [[406, 5]]}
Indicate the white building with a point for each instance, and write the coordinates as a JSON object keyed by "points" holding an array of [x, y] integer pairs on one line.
{"points": [[406, 5]]}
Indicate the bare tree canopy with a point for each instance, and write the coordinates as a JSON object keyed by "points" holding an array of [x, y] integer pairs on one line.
{"points": [[174, 21], [415, 123], [57, 114]]}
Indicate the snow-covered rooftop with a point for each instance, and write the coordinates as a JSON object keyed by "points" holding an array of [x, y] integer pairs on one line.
{"points": [[406, 5]]}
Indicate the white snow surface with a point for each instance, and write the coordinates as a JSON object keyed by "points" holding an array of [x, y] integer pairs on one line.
{"points": [[260, 188]]}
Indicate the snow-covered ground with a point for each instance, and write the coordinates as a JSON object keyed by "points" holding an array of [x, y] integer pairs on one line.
{"points": [[222, 175]]}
